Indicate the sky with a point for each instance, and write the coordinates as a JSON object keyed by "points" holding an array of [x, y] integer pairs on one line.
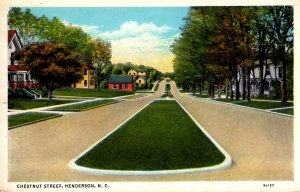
{"points": [[141, 35]]}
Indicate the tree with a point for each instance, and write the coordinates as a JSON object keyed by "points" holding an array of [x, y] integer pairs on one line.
{"points": [[53, 65], [25, 23], [232, 47], [34, 29], [101, 55], [281, 23]]}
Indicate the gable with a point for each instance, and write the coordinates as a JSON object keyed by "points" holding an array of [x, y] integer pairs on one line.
{"points": [[14, 41]]}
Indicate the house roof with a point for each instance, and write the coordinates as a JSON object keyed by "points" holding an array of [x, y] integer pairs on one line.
{"points": [[143, 77], [120, 79], [87, 66], [137, 70], [17, 68], [11, 34]]}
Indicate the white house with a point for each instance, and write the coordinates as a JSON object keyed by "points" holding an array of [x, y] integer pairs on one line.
{"points": [[272, 74], [18, 75]]}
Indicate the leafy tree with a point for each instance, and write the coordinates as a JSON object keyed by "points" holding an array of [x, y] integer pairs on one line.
{"points": [[34, 29], [281, 23], [53, 65], [101, 55], [232, 47], [25, 23]]}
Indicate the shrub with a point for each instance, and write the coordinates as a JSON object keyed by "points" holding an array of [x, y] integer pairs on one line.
{"points": [[42, 91]]}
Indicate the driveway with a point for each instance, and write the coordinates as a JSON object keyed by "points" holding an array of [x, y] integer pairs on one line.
{"points": [[260, 144]]}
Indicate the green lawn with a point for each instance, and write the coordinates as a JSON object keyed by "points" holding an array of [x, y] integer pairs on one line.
{"points": [[202, 96], [24, 104], [167, 87], [156, 87], [132, 97], [264, 104], [104, 93], [28, 118], [285, 111], [85, 106], [225, 100], [151, 141]]}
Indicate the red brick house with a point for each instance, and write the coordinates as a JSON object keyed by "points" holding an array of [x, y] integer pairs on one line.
{"points": [[121, 82]]}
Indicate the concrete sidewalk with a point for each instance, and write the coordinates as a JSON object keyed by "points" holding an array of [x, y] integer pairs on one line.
{"points": [[260, 144]]}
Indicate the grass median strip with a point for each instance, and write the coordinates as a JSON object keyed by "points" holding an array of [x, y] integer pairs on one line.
{"points": [[161, 137], [85, 106], [29, 118]]}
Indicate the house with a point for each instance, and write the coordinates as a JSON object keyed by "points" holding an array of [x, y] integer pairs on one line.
{"points": [[139, 76], [88, 81], [272, 78], [142, 80], [135, 73], [272, 75], [121, 82], [18, 75]]}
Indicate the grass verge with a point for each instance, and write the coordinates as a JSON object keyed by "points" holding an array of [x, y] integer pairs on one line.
{"points": [[264, 104], [104, 93], [285, 111], [134, 97], [202, 95], [85, 106], [23, 104], [150, 141], [15, 121]]}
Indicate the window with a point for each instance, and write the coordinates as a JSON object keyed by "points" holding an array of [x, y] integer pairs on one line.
{"points": [[84, 72], [21, 77], [280, 72], [266, 85], [140, 81], [126, 86], [115, 86], [85, 83], [268, 71], [92, 82]]}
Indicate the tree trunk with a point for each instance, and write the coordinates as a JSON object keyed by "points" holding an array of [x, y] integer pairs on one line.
{"points": [[244, 83], [200, 87], [237, 88], [261, 76], [231, 90], [209, 88], [284, 90], [219, 90], [248, 85], [194, 88], [98, 87], [49, 95], [213, 90], [226, 88]]}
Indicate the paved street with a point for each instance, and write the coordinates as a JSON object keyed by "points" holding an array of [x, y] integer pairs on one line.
{"points": [[260, 144]]}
